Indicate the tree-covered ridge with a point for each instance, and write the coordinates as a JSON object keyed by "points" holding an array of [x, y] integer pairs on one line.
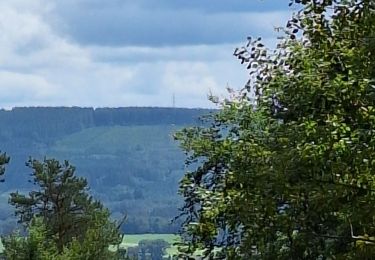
{"points": [[132, 163], [46, 123], [289, 174]]}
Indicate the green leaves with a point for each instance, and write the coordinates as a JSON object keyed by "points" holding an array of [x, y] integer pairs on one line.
{"points": [[286, 176]]}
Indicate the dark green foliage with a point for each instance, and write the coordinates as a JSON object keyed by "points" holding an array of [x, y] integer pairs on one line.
{"points": [[61, 200], [4, 159], [43, 124], [36, 246], [290, 173], [149, 249], [62, 214]]}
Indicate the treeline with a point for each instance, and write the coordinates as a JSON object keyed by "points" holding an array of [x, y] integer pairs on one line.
{"points": [[47, 123]]}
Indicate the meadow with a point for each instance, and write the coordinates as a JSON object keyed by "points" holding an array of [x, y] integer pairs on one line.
{"points": [[132, 240]]}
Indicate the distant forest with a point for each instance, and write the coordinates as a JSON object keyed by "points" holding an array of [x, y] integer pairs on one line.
{"points": [[127, 155]]}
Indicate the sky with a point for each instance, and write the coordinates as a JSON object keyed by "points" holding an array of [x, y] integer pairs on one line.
{"points": [[118, 53]]}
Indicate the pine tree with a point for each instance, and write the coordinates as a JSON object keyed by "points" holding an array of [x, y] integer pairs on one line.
{"points": [[61, 207]]}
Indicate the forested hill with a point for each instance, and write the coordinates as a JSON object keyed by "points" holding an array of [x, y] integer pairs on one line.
{"points": [[46, 123], [128, 156]]}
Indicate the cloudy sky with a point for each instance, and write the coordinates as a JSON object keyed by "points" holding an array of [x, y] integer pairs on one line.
{"points": [[127, 52]]}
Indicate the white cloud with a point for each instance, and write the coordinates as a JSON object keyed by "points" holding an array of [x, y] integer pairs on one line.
{"points": [[41, 66], [189, 79], [21, 88]]}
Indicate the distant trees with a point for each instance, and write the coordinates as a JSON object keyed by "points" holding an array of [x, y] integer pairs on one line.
{"points": [[4, 159], [61, 218], [149, 249], [44, 124], [287, 169]]}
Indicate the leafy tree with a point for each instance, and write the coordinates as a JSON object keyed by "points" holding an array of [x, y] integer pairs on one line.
{"points": [[38, 245], [286, 170], [63, 215]]}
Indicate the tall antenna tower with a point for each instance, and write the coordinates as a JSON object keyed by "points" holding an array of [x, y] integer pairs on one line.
{"points": [[173, 100]]}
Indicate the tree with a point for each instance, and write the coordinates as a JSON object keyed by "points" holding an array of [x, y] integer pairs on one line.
{"points": [[37, 246], [290, 173], [62, 214], [155, 248], [4, 159]]}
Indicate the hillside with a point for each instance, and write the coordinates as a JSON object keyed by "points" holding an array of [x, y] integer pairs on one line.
{"points": [[127, 154]]}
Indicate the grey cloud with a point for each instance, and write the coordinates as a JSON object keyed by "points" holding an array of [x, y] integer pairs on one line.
{"points": [[221, 6], [138, 54], [125, 23], [208, 6], [134, 54]]}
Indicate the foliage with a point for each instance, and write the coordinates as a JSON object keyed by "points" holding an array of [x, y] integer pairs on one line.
{"points": [[289, 174], [132, 243], [4, 159], [61, 218], [36, 246], [98, 237], [149, 249]]}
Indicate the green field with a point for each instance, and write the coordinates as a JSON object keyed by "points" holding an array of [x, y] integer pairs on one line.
{"points": [[112, 139], [132, 241]]}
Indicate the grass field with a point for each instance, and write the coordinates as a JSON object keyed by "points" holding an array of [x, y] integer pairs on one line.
{"points": [[132, 241], [111, 139]]}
